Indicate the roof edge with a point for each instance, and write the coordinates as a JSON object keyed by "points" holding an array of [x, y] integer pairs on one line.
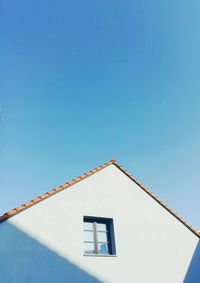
{"points": [[54, 191], [84, 176], [157, 199]]}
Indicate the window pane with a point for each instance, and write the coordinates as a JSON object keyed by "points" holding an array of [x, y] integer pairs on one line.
{"points": [[102, 237], [103, 249], [89, 248], [101, 227], [88, 226], [89, 236]]}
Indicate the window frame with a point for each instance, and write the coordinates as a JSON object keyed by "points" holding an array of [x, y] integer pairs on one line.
{"points": [[109, 232]]}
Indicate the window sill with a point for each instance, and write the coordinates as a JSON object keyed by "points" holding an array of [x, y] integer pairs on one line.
{"points": [[99, 255]]}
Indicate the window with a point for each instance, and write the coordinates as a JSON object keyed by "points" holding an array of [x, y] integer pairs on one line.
{"points": [[98, 236]]}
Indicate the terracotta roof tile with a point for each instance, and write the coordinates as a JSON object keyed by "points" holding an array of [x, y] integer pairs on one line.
{"points": [[29, 203], [85, 175], [44, 196], [21, 207]]}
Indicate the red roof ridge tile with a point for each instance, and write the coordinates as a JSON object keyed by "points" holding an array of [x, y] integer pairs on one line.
{"points": [[85, 175]]}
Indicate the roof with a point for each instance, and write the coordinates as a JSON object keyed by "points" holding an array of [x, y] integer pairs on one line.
{"points": [[54, 191]]}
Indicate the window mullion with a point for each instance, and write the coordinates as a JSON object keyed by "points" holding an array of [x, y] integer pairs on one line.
{"points": [[95, 238]]}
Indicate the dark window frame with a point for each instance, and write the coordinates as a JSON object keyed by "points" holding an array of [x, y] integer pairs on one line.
{"points": [[110, 235]]}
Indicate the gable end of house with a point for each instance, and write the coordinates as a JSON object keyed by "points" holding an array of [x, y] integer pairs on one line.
{"points": [[84, 176]]}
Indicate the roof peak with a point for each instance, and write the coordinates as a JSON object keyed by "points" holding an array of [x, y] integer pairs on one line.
{"points": [[84, 176]]}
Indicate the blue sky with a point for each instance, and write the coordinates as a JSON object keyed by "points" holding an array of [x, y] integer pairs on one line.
{"points": [[83, 82]]}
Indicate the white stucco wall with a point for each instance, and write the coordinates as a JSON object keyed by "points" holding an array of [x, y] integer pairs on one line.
{"points": [[152, 246]]}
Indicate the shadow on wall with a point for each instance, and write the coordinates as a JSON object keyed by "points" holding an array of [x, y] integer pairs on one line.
{"points": [[193, 273], [24, 260]]}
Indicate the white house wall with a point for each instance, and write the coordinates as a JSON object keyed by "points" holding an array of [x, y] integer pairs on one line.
{"points": [[151, 245]]}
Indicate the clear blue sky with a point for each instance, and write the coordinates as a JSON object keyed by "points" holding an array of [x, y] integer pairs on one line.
{"points": [[86, 81]]}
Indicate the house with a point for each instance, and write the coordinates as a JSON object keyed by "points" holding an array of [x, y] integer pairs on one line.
{"points": [[103, 226]]}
